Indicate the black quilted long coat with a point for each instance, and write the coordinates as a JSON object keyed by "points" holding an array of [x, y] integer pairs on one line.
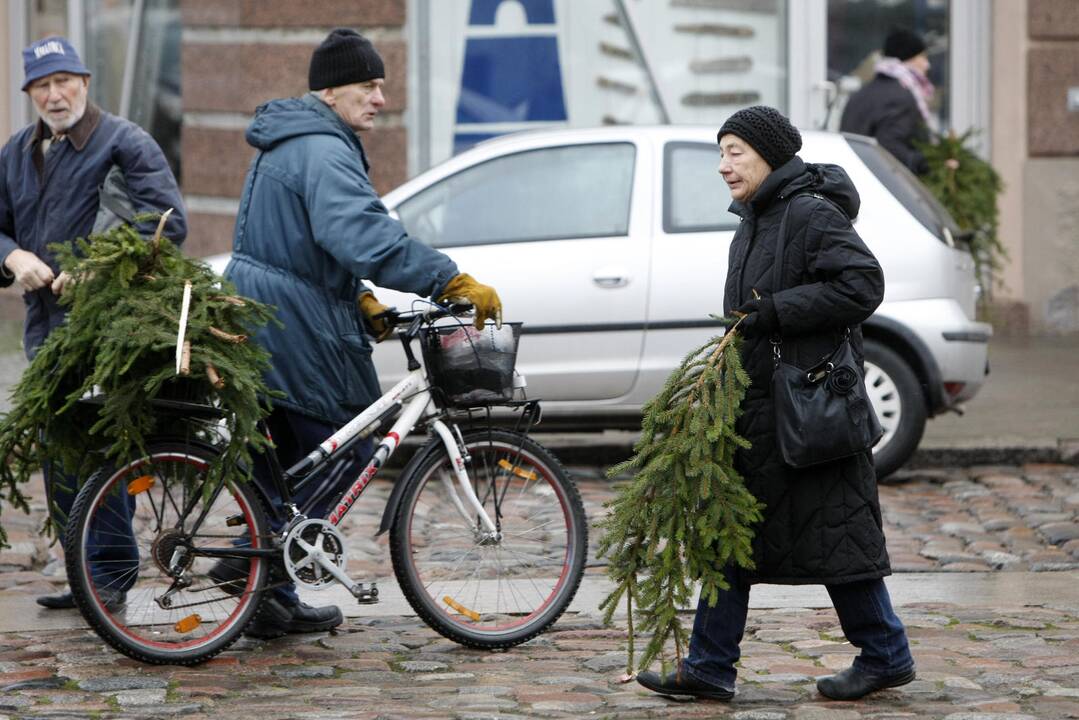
{"points": [[821, 524]]}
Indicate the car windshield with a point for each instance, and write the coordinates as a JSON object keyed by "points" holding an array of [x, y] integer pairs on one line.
{"points": [[903, 184]]}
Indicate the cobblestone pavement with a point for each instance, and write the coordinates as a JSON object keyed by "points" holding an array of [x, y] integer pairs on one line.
{"points": [[974, 662]]}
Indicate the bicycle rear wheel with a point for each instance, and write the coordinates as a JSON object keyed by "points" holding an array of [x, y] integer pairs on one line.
{"points": [[476, 589], [133, 528]]}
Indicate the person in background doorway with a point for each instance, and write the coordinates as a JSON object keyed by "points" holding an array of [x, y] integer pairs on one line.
{"points": [[893, 107]]}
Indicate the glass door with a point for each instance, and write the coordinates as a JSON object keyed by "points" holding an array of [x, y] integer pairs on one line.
{"points": [[855, 33], [835, 44]]}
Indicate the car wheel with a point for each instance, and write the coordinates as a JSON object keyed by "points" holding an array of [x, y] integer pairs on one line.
{"points": [[897, 398]]}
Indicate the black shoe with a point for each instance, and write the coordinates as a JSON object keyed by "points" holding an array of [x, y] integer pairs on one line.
{"points": [[275, 619], [59, 601], [852, 684], [685, 686], [230, 574], [112, 599]]}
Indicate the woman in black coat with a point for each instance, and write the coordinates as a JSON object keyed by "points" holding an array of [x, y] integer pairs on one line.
{"points": [[893, 107], [822, 525]]}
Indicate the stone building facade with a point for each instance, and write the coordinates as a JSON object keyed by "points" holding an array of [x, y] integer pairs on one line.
{"points": [[1022, 86]]}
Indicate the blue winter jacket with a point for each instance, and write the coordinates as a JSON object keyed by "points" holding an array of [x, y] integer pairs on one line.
{"points": [[61, 203], [309, 228]]}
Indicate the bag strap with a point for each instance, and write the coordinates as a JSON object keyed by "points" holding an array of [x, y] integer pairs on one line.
{"points": [[781, 241], [777, 265]]}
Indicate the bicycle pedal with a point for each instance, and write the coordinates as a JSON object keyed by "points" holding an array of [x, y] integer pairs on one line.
{"points": [[364, 594]]}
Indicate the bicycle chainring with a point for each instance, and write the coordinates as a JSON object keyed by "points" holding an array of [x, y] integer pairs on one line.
{"points": [[303, 543]]}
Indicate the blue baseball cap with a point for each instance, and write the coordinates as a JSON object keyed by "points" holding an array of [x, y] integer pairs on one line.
{"points": [[48, 56]]}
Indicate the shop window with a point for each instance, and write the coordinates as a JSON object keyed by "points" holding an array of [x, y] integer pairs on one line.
{"points": [[856, 32], [133, 49], [491, 67]]}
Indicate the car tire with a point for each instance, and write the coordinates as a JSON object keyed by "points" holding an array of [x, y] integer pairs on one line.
{"points": [[900, 404]]}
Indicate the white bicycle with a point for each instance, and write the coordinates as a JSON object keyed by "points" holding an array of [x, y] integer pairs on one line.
{"points": [[488, 536]]}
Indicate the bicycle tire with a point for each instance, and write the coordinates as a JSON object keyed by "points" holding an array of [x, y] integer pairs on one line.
{"points": [[141, 627], [544, 501]]}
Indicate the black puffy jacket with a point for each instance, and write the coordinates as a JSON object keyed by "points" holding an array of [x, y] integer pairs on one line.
{"points": [[821, 524], [887, 111]]}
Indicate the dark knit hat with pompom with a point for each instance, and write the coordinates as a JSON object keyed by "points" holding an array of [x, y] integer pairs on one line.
{"points": [[343, 58], [767, 130]]}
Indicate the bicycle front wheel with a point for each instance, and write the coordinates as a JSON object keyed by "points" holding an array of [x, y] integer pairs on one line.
{"points": [[134, 545], [482, 589]]}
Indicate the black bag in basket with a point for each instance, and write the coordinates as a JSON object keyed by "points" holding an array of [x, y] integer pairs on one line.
{"points": [[471, 367]]}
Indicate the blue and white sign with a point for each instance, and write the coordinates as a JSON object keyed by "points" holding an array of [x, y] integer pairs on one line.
{"points": [[500, 66]]}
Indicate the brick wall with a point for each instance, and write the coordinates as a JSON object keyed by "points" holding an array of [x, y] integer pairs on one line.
{"points": [[241, 53], [1052, 68], [1050, 177]]}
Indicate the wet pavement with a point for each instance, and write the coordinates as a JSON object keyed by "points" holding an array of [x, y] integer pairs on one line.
{"points": [[987, 563]]}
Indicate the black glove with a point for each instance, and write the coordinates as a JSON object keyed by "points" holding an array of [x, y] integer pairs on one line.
{"points": [[760, 317]]}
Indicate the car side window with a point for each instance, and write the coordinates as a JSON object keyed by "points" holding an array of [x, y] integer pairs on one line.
{"points": [[573, 191], [695, 198]]}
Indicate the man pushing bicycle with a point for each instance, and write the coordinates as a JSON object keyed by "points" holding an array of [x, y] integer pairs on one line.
{"points": [[310, 228]]}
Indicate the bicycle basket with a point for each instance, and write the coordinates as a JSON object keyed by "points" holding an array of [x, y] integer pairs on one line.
{"points": [[471, 367]]}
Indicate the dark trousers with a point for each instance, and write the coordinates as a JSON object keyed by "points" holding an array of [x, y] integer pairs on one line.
{"points": [[110, 548], [865, 614], [294, 436]]}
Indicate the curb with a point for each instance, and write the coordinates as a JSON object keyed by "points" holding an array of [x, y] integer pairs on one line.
{"points": [[1063, 452]]}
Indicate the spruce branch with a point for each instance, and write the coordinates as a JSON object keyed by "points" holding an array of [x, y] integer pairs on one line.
{"points": [[686, 514], [89, 391], [968, 187]]}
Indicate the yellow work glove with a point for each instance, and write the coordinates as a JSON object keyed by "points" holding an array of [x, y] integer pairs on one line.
{"points": [[371, 307], [483, 298]]}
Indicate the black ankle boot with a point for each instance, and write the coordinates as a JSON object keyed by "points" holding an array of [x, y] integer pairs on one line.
{"points": [[685, 686], [852, 684]]}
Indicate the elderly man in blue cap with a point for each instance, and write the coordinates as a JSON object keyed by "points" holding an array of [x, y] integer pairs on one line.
{"points": [[51, 173]]}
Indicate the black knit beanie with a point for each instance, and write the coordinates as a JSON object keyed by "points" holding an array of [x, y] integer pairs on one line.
{"points": [[343, 58], [767, 130], [903, 44]]}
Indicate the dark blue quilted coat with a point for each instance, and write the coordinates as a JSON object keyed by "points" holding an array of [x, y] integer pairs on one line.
{"points": [[310, 228]]}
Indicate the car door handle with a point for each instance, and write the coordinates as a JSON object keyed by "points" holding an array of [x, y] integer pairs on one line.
{"points": [[610, 278]]}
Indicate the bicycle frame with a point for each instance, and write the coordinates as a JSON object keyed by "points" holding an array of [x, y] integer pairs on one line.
{"points": [[411, 398]]}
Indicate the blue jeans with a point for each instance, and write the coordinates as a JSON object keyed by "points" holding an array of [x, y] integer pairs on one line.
{"points": [[110, 548], [294, 436], [865, 614]]}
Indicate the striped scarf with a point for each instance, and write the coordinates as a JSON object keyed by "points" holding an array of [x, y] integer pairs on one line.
{"points": [[918, 85]]}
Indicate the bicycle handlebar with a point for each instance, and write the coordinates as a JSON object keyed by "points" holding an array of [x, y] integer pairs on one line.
{"points": [[414, 319]]}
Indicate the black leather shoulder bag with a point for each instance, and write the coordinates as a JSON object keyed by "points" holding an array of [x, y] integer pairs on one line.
{"points": [[822, 413]]}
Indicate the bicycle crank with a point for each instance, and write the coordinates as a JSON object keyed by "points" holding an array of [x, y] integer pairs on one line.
{"points": [[314, 557]]}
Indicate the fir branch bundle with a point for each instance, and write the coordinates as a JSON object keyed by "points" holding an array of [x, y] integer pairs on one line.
{"points": [[968, 187], [118, 344], [686, 514]]}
